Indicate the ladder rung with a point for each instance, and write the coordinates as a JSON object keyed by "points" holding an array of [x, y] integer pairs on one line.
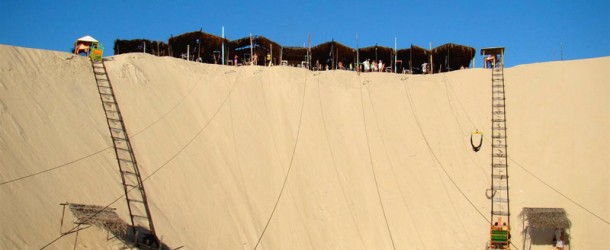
{"points": [[499, 155], [498, 98], [114, 119], [504, 213], [119, 138], [504, 200], [499, 145], [499, 176], [499, 165], [498, 120], [498, 136], [498, 105], [132, 200], [126, 160]]}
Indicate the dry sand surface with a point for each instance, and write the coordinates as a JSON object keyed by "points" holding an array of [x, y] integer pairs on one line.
{"points": [[285, 158]]}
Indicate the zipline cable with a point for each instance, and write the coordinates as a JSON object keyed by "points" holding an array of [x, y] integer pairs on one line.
{"points": [[296, 141], [371, 161]]}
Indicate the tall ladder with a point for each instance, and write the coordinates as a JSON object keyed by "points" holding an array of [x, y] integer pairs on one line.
{"points": [[500, 202], [137, 204]]}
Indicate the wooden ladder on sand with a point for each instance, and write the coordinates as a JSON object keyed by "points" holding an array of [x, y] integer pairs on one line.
{"points": [[141, 221], [500, 209]]}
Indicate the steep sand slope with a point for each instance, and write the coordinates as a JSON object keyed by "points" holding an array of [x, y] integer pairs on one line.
{"points": [[284, 158]]}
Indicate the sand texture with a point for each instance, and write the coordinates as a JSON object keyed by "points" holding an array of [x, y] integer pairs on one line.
{"points": [[285, 158]]}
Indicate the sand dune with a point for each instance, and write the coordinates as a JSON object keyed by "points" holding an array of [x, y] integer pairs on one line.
{"points": [[285, 158]]}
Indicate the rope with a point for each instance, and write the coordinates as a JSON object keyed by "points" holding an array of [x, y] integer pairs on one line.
{"points": [[260, 238], [437, 160], [159, 168], [198, 133], [332, 155], [434, 154], [532, 174], [56, 167], [101, 150], [372, 165], [402, 196]]}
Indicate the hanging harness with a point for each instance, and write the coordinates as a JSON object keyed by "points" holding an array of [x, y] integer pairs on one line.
{"points": [[476, 148]]}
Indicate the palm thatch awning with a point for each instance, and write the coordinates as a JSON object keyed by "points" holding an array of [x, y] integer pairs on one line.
{"points": [[140, 45], [450, 56], [413, 57], [261, 46], [200, 44], [209, 48], [331, 53], [546, 217]]}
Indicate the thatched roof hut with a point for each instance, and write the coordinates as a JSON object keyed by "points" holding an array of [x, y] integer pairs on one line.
{"points": [[200, 44], [261, 46], [140, 45], [331, 53], [545, 217], [386, 54], [540, 225], [413, 57], [449, 56], [208, 47], [294, 55]]}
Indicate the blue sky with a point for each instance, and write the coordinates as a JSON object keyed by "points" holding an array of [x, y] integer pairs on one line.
{"points": [[531, 31]]}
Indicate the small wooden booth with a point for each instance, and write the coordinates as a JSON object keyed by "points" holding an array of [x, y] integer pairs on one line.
{"points": [[89, 46], [545, 226], [492, 57]]}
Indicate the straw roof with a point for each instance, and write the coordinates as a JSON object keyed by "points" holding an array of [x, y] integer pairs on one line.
{"points": [[545, 217], [194, 41], [413, 57], [137, 45], [451, 56], [261, 46], [447, 56], [331, 53]]}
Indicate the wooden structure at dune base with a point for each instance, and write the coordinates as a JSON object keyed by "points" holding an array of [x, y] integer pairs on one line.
{"points": [[207, 48], [545, 226]]}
